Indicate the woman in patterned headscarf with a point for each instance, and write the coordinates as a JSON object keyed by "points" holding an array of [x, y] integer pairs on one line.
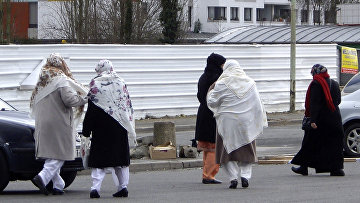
{"points": [[55, 94], [322, 146], [110, 121]]}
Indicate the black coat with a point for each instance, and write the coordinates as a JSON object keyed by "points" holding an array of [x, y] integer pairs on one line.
{"points": [[322, 148], [109, 142], [205, 122]]}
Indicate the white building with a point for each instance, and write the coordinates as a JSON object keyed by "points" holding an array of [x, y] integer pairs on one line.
{"points": [[348, 14], [219, 15]]}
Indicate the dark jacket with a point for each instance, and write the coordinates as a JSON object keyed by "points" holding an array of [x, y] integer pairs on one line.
{"points": [[322, 148], [109, 142], [205, 122]]}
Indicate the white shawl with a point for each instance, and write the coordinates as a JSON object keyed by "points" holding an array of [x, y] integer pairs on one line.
{"points": [[238, 110]]}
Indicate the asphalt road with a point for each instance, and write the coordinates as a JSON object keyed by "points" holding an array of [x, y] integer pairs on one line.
{"points": [[270, 183]]}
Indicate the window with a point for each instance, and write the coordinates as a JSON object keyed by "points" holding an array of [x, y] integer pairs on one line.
{"points": [[353, 84], [316, 14], [260, 14], [330, 17], [285, 14], [247, 14], [217, 13], [304, 16], [234, 15], [33, 15]]}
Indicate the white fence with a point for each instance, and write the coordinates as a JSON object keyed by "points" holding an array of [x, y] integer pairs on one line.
{"points": [[162, 79]]}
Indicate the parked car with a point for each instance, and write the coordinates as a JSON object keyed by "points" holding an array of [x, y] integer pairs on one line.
{"points": [[350, 113], [17, 149]]}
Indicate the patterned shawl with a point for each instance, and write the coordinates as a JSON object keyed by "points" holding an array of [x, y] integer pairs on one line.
{"points": [[53, 75], [109, 92]]}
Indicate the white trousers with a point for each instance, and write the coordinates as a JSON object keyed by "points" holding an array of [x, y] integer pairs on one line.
{"points": [[233, 168], [51, 171], [120, 177]]}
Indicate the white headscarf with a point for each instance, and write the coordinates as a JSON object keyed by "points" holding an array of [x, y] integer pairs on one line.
{"points": [[236, 79], [238, 110], [109, 92]]}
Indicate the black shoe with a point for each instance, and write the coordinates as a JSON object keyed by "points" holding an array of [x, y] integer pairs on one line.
{"points": [[244, 182], [233, 184], [94, 194], [122, 193], [57, 191], [211, 181], [339, 172], [300, 170], [39, 183]]}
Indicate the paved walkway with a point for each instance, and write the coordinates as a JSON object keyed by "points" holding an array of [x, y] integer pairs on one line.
{"points": [[187, 123]]}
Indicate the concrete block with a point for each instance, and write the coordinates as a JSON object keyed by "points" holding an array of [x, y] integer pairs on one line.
{"points": [[164, 132]]}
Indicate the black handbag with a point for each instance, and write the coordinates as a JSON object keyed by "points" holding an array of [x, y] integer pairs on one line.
{"points": [[306, 123]]}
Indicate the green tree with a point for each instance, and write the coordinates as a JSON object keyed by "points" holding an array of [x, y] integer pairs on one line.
{"points": [[169, 20]]}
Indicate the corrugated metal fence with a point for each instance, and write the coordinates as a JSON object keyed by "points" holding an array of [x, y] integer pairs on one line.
{"points": [[162, 79]]}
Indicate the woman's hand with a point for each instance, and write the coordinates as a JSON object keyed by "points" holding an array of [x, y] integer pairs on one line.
{"points": [[212, 86], [313, 125]]}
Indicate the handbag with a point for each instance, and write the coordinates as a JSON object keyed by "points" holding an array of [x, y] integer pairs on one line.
{"points": [[306, 123], [85, 150]]}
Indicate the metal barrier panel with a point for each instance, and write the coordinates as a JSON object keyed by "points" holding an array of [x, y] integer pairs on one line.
{"points": [[162, 79]]}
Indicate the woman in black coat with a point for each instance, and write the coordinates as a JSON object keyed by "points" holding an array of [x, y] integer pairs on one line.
{"points": [[322, 146], [109, 120], [205, 132]]}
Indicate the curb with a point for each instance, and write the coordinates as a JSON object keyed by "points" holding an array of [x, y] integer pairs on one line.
{"points": [[165, 165], [158, 165], [161, 165]]}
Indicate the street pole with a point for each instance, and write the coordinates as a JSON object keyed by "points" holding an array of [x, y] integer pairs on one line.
{"points": [[293, 57]]}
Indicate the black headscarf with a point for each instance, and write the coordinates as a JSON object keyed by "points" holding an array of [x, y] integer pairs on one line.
{"points": [[214, 61]]}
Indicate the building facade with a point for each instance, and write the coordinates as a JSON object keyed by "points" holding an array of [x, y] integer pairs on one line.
{"points": [[30, 18], [216, 16], [23, 20], [220, 15], [348, 14]]}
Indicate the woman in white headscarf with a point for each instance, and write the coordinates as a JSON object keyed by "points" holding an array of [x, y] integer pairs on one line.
{"points": [[109, 120], [240, 118], [52, 100]]}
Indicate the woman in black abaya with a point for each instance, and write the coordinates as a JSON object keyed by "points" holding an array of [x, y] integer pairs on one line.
{"points": [[322, 146]]}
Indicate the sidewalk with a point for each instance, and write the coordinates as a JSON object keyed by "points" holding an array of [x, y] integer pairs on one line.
{"points": [[187, 123]]}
